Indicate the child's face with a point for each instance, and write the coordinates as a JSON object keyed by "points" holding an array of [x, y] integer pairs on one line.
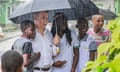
{"points": [[30, 32], [98, 22], [83, 28]]}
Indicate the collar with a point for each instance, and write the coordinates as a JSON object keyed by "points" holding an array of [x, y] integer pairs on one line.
{"points": [[45, 31], [85, 38], [102, 29]]}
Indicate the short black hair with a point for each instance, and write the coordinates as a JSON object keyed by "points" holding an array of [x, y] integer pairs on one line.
{"points": [[25, 24], [11, 61], [81, 21]]}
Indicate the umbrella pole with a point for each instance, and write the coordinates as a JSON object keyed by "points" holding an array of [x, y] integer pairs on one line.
{"points": [[56, 28]]}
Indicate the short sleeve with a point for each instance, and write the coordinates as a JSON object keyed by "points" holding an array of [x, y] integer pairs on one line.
{"points": [[93, 46], [75, 40], [27, 48]]}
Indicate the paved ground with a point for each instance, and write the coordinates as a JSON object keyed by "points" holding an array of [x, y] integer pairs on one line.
{"points": [[6, 45], [7, 41], [9, 35]]}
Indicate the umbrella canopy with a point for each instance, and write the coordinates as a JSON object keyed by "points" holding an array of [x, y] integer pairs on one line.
{"points": [[40, 5], [83, 8], [24, 11], [108, 14], [69, 13]]}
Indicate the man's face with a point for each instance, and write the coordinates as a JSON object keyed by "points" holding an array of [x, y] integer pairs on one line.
{"points": [[42, 19], [98, 22]]}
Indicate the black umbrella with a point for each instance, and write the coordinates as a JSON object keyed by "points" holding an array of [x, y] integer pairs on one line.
{"points": [[108, 14], [83, 8]]}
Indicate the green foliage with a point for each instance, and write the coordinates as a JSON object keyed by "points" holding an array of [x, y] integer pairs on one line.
{"points": [[108, 58]]}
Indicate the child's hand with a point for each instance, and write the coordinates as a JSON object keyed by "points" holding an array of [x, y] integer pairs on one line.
{"points": [[28, 59], [59, 63], [37, 55]]}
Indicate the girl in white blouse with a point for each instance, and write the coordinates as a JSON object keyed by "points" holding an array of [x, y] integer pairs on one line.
{"points": [[67, 60], [87, 47]]}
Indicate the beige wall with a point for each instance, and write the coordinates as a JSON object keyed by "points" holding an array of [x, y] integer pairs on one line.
{"points": [[105, 4]]}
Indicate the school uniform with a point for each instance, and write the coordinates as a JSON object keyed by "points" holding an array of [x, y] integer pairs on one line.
{"points": [[87, 44], [66, 53], [44, 45], [24, 46]]}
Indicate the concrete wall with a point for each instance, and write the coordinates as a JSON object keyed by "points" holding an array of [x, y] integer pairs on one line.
{"points": [[105, 4], [6, 7], [117, 6], [3, 14]]}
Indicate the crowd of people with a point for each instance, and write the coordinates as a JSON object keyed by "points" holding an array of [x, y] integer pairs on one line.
{"points": [[58, 50]]}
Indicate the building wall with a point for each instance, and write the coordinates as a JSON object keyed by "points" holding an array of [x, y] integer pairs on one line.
{"points": [[117, 6], [105, 4], [113, 5], [5, 10]]}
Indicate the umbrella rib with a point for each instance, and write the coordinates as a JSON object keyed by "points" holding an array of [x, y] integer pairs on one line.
{"points": [[32, 5]]}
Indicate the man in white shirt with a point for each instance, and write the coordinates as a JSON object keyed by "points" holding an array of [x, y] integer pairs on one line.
{"points": [[43, 43]]}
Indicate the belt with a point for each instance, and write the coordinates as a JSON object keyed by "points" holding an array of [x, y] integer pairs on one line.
{"points": [[41, 69]]}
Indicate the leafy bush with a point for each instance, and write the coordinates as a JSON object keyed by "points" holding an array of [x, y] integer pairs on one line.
{"points": [[108, 58]]}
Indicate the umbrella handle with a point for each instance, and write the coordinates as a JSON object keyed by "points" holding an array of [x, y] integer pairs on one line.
{"points": [[56, 28]]}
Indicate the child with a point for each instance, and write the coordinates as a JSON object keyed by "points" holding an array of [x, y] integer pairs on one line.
{"points": [[67, 59], [23, 45], [99, 33], [11, 61], [87, 44]]}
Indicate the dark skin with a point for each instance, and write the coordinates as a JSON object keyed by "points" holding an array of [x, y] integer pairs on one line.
{"points": [[29, 33], [75, 59], [62, 28], [31, 59], [82, 33], [98, 22], [59, 63], [92, 55]]}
